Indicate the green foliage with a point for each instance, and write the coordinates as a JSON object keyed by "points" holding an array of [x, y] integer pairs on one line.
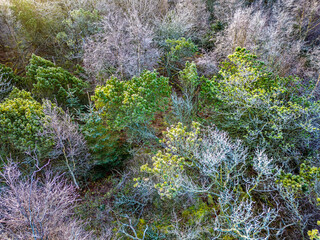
{"points": [[120, 105], [189, 79], [8, 79], [7, 72], [79, 25], [20, 124], [261, 108], [105, 145], [36, 62], [55, 83], [167, 166], [177, 52], [200, 212], [135, 101], [186, 107], [39, 22], [302, 183]]}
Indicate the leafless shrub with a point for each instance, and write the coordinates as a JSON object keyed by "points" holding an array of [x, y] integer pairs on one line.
{"points": [[305, 13], [124, 46], [244, 30], [136, 199], [5, 86], [225, 9], [237, 218], [107, 233], [4, 17], [129, 230], [183, 231], [207, 64], [188, 18], [314, 54], [183, 108], [148, 11], [69, 143], [277, 35], [271, 38], [31, 208]]}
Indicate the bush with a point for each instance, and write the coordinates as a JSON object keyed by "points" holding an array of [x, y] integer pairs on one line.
{"points": [[119, 106], [186, 107], [70, 150], [55, 83], [105, 145], [132, 102], [262, 108], [176, 53], [39, 22], [21, 124], [188, 19], [206, 163], [36, 62], [301, 193], [32, 208], [280, 35]]}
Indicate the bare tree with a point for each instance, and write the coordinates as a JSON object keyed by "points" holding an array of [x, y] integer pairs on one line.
{"points": [[188, 18], [31, 208], [125, 44], [69, 143]]}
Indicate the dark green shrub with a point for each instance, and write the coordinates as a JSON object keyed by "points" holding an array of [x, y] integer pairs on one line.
{"points": [[36, 62], [120, 105], [55, 83], [105, 145]]}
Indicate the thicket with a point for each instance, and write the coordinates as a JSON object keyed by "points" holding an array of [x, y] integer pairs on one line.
{"points": [[158, 119]]}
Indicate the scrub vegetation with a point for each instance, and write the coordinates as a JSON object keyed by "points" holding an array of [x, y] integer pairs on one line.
{"points": [[159, 119]]}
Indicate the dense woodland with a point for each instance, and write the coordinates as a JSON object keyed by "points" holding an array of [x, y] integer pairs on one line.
{"points": [[159, 119]]}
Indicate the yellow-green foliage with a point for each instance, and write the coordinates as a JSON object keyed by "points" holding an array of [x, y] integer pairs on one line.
{"points": [[182, 141], [302, 183], [260, 107], [197, 213], [314, 233], [36, 62], [168, 165], [177, 52], [180, 48], [39, 22], [20, 123], [168, 168], [132, 102]]}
